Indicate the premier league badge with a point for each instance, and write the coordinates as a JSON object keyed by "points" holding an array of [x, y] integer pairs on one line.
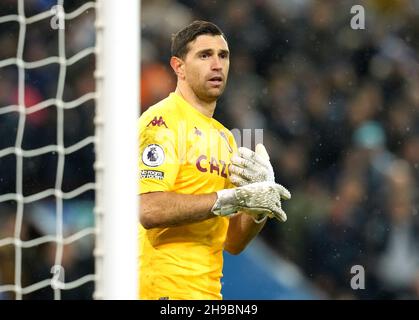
{"points": [[153, 155]]}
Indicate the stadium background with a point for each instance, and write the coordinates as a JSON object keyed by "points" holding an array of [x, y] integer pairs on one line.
{"points": [[339, 109]]}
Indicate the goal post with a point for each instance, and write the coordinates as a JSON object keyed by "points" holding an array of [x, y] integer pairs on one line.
{"points": [[117, 79], [117, 86]]}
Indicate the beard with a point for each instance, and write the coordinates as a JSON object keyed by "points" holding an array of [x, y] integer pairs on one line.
{"points": [[208, 93]]}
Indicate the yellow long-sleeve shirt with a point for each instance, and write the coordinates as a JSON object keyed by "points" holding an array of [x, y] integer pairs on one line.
{"points": [[183, 151]]}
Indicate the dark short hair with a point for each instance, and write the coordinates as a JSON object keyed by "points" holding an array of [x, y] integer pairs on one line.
{"points": [[181, 39]]}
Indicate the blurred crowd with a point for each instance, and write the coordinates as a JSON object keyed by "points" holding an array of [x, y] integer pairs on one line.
{"points": [[339, 108]]}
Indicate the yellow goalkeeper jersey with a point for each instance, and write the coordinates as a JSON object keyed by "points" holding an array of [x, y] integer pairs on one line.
{"points": [[183, 151]]}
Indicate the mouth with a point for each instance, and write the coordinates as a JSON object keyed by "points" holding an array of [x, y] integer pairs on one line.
{"points": [[216, 81]]}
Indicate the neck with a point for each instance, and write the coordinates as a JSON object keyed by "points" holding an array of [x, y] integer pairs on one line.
{"points": [[206, 108]]}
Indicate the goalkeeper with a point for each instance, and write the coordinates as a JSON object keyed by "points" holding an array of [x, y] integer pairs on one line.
{"points": [[199, 194]]}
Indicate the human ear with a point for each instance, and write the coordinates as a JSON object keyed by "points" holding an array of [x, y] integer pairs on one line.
{"points": [[178, 67]]}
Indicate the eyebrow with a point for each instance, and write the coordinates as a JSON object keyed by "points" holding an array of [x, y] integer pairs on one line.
{"points": [[211, 51]]}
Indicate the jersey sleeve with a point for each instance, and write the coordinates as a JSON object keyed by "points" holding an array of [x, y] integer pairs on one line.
{"points": [[158, 161]]}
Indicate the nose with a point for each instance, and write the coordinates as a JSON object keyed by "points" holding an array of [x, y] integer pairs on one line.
{"points": [[216, 63]]}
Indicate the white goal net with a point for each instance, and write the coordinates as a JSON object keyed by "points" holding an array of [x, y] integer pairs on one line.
{"points": [[67, 149]]}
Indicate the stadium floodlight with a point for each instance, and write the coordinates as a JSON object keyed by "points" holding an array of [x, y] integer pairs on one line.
{"points": [[115, 142]]}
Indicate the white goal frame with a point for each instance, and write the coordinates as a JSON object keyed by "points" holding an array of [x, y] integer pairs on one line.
{"points": [[117, 86]]}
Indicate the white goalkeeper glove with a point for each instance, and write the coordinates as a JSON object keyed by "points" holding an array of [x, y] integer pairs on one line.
{"points": [[255, 199], [249, 167]]}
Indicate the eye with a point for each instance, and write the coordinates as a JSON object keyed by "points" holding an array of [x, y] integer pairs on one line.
{"points": [[204, 56], [223, 55]]}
